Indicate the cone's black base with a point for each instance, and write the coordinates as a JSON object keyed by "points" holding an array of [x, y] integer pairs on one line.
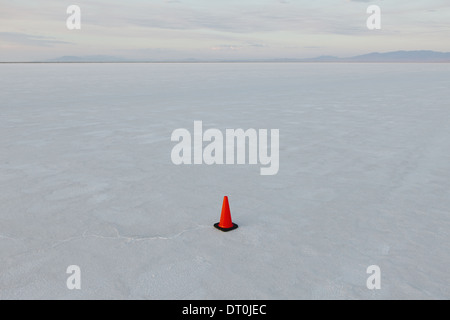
{"points": [[235, 226]]}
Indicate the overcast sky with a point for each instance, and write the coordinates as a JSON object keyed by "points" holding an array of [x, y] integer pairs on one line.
{"points": [[219, 29]]}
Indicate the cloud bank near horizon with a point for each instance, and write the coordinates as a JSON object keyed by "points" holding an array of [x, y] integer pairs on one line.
{"points": [[202, 29]]}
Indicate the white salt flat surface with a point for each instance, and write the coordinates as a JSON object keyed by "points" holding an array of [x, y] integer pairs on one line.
{"points": [[86, 179]]}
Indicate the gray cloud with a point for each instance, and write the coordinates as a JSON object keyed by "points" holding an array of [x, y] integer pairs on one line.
{"points": [[30, 40]]}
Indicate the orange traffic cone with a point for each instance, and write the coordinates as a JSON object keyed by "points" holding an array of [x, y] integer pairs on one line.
{"points": [[225, 223]]}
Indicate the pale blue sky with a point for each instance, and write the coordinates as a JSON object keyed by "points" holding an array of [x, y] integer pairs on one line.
{"points": [[225, 29]]}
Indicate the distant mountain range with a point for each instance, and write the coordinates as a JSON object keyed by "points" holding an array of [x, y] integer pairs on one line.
{"points": [[88, 59], [423, 56], [396, 56]]}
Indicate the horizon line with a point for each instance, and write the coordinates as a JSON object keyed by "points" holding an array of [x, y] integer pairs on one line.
{"points": [[412, 56], [209, 61]]}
